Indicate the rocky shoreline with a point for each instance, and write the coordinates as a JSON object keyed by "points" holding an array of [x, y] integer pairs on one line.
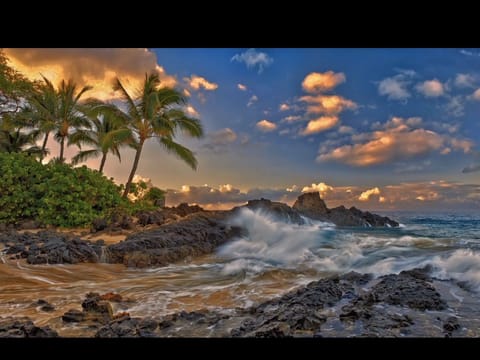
{"points": [[411, 303]]}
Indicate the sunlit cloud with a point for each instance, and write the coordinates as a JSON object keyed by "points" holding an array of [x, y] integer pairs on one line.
{"points": [[197, 83], [327, 104], [284, 107], [321, 187], [431, 88], [476, 95], [346, 129], [95, 67], [318, 82], [365, 196], [186, 93], [217, 141], [254, 59], [395, 141], [291, 119], [266, 126], [323, 123], [191, 111], [242, 87]]}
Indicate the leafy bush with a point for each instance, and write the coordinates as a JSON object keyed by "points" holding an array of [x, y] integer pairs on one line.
{"points": [[55, 194], [154, 194]]}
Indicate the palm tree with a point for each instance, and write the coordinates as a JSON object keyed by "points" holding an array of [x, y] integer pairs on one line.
{"points": [[14, 140], [108, 134], [44, 107], [156, 113], [59, 111]]}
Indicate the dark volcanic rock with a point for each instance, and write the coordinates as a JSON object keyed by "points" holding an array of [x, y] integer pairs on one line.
{"points": [[409, 288], [23, 327], [73, 315], [196, 234], [128, 327], [312, 206], [279, 210]]}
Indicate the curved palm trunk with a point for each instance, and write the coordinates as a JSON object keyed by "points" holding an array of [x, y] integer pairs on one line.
{"points": [[44, 145], [102, 163], [62, 145], [134, 169]]}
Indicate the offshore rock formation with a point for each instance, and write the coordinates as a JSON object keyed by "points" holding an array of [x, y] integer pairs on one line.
{"points": [[312, 206]]}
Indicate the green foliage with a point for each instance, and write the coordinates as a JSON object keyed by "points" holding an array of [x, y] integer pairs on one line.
{"points": [[54, 194], [154, 194]]}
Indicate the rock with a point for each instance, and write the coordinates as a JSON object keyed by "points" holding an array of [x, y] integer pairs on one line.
{"points": [[44, 305], [280, 211], [311, 205], [28, 225], [111, 297], [196, 234], [94, 304], [73, 316], [451, 324], [24, 327], [99, 224]]}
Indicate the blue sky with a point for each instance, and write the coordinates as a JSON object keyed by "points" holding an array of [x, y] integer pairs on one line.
{"points": [[398, 125]]}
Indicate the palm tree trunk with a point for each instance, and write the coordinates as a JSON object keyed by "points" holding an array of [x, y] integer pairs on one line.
{"points": [[134, 169], [44, 145], [102, 163], [62, 144]]}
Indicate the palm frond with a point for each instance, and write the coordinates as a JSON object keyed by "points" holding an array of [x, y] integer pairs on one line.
{"points": [[85, 155], [180, 151]]}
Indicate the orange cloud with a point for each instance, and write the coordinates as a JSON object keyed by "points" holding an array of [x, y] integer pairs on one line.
{"points": [[323, 123], [316, 82], [266, 126], [365, 196], [191, 111], [431, 88], [96, 67], [327, 104], [284, 107], [242, 87], [198, 82]]}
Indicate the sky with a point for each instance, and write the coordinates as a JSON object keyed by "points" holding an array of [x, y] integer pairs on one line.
{"points": [[380, 129]]}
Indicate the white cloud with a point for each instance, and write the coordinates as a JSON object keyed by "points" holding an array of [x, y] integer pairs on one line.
{"points": [[327, 104], [317, 82], [242, 87], [252, 100], [469, 53], [455, 106], [199, 82], [395, 87], [266, 126], [284, 107], [431, 88], [346, 130], [464, 81], [323, 123], [218, 140], [253, 58], [291, 119]]}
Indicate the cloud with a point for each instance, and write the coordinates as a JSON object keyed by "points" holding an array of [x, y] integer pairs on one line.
{"points": [[471, 168], [252, 100], [198, 82], [395, 87], [476, 95], [431, 88], [284, 107], [186, 93], [291, 119], [318, 82], [321, 187], [96, 67], [253, 58], [242, 87], [218, 140], [365, 196], [323, 123], [464, 81], [469, 53], [266, 126], [404, 196], [455, 106], [346, 130], [191, 111], [327, 104], [395, 141]]}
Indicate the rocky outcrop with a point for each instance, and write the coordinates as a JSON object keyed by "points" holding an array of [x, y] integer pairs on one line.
{"points": [[312, 206], [49, 247], [23, 327], [196, 234], [279, 210]]}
